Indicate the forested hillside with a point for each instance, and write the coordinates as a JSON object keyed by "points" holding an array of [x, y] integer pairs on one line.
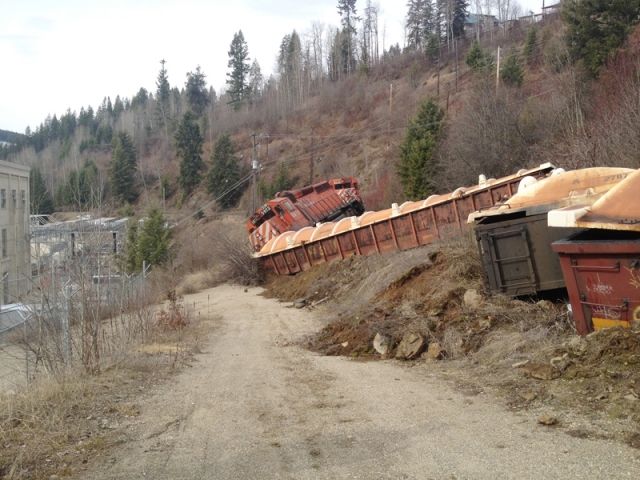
{"points": [[408, 121]]}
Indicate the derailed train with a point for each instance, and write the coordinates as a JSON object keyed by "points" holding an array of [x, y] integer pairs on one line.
{"points": [[399, 228], [295, 209], [516, 223]]}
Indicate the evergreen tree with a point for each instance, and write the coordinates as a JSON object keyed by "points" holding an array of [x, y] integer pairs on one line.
{"points": [[188, 143], [597, 28], [153, 240], [131, 248], [347, 11], [417, 168], [40, 198], [416, 34], [238, 77], [512, 72], [530, 49], [460, 13], [283, 180], [255, 80], [197, 93], [122, 169], [118, 107], [88, 188], [163, 92], [225, 171], [148, 244], [477, 58]]}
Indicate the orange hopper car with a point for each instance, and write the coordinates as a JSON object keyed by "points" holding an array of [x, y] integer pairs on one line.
{"points": [[293, 210]]}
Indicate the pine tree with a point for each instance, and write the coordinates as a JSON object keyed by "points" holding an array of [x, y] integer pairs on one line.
{"points": [[596, 28], [256, 80], [131, 248], [225, 172], [188, 143], [417, 168], [477, 58], [460, 13], [40, 198], [122, 169], [163, 92], [283, 180], [238, 77], [512, 72], [153, 240], [88, 188], [530, 49], [197, 93], [415, 24], [347, 11]]}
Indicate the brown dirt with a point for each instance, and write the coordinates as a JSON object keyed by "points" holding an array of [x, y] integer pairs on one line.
{"points": [[593, 382]]}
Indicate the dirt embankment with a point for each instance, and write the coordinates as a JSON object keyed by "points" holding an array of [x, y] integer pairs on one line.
{"points": [[525, 351]]}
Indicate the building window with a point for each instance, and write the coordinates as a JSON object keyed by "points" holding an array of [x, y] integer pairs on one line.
{"points": [[4, 243], [13, 195], [3, 198], [24, 198]]}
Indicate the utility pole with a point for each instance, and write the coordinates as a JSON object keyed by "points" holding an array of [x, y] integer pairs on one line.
{"points": [[311, 160], [438, 94], [389, 122], [498, 70], [254, 164]]}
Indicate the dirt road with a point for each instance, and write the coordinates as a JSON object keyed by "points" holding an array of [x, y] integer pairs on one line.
{"points": [[255, 406]]}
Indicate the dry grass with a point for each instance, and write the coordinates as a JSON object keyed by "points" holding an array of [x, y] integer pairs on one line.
{"points": [[69, 412], [194, 282], [38, 424]]}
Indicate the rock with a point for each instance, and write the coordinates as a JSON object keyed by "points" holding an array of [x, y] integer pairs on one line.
{"points": [[541, 371], [528, 396], [381, 344], [561, 363], [519, 364], [299, 303], [433, 353], [345, 344], [546, 419], [472, 298], [379, 313], [410, 346]]}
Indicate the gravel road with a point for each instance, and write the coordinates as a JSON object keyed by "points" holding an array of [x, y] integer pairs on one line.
{"points": [[256, 406]]}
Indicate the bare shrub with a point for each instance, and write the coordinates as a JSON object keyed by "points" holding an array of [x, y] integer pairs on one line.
{"points": [[173, 316], [234, 258], [195, 253]]}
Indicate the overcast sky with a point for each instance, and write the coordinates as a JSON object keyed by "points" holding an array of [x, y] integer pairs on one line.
{"points": [[59, 54]]}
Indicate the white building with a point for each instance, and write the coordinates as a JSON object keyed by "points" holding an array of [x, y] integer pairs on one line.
{"points": [[15, 265]]}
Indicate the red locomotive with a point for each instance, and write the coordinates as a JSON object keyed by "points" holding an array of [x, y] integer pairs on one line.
{"points": [[295, 209]]}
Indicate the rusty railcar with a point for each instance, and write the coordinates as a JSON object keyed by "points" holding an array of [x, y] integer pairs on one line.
{"points": [[601, 264], [514, 239]]}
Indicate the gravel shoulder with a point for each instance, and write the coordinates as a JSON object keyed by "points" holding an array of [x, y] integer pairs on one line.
{"points": [[256, 405]]}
